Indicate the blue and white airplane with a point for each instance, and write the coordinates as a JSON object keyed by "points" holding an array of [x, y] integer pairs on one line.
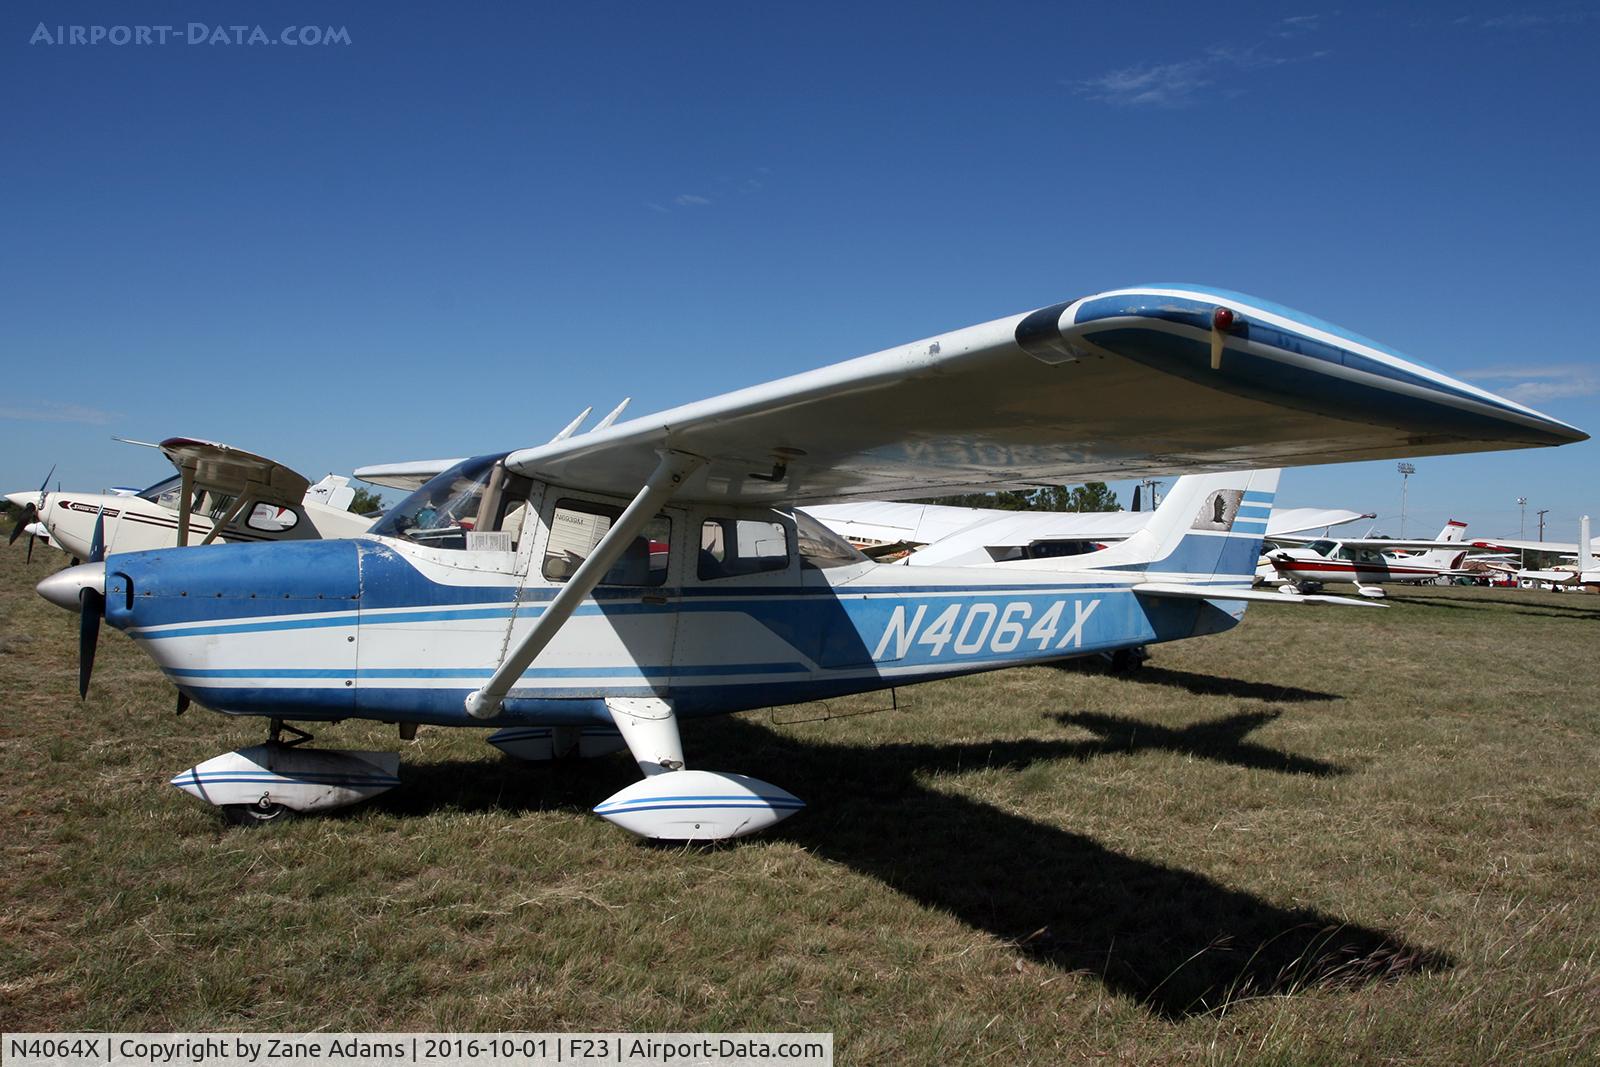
{"points": [[593, 592]]}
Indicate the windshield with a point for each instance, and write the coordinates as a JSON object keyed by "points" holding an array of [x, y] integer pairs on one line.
{"points": [[445, 510], [820, 547], [165, 492]]}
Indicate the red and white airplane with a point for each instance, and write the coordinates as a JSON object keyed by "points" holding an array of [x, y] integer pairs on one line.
{"points": [[1370, 562]]}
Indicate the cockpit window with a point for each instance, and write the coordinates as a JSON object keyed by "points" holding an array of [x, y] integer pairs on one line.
{"points": [[1322, 548], [732, 548], [450, 509], [821, 548], [165, 492], [577, 526]]}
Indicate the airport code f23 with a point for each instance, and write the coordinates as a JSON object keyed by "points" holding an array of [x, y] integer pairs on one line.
{"points": [[194, 33]]}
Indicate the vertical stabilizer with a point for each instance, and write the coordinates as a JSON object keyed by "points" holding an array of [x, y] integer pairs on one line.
{"points": [[1446, 558], [1209, 527]]}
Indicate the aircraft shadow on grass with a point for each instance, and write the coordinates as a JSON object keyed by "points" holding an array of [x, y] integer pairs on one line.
{"points": [[1521, 607], [1219, 740], [1216, 685], [1176, 942]]}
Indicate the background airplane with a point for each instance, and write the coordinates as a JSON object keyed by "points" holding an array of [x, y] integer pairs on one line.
{"points": [[1370, 562], [1578, 567], [942, 535], [219, 492]]}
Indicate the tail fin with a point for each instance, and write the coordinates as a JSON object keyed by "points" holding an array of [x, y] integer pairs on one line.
{"points": [[1209, 526], [335, 491], [1448, 558]]}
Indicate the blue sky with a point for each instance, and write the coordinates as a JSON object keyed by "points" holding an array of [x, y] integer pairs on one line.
{"points": [[452, 233]]}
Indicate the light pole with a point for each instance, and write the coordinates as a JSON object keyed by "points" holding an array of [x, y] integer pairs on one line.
{"points": [[1522, 533], [1406, 471], [1542, 513]]}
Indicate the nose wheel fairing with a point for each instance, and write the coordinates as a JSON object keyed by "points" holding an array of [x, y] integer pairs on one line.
{"points": [[275, 775]]}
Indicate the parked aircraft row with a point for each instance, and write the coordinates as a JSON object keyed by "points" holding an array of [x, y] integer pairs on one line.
{"points": [[602, 588]]}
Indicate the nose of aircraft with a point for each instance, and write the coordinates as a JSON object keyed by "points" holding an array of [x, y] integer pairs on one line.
{"points": [[65, 588]]}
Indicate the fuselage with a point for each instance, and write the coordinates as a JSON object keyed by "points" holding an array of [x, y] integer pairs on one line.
{"points": [[1367, 569], [381, 628], [135, 524]]}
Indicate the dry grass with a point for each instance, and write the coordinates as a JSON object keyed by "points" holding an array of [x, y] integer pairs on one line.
{"points": [[1328, 836]]}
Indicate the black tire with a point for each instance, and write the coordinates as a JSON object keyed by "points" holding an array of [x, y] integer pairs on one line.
{"points": [[1127, 660]]}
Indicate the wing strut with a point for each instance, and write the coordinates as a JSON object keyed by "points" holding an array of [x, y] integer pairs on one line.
{"points": [[227, 520], [669, 474], [185, 504]]}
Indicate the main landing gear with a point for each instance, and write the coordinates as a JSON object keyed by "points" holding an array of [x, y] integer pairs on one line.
{"points": [[1126, 660], [675, 804]]}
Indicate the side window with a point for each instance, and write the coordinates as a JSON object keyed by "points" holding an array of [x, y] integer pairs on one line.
{"points": [[577, 526], [215, 505], [271, 518], [731, 547]]}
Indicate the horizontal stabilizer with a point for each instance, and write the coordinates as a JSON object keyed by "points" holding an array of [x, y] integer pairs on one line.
{"points": [[1212, 592]]}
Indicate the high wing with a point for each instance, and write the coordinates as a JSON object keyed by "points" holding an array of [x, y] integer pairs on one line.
{"points": [[235, 471], [1289, 521], [1126, 384], [1018, 529], [889, 522], [1516, 545], [1382, 544], [407, 476]]}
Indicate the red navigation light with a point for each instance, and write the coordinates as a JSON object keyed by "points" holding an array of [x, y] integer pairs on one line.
{"points": [[1223, 319]]}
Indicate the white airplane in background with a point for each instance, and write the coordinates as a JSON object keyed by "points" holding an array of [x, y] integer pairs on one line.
{"points": [[1369, 562], [941, 535], [219, 493], [1583, 569], [618, 582]]}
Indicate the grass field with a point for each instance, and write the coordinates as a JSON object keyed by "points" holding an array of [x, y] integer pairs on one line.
{"points": [[1327, 836]]}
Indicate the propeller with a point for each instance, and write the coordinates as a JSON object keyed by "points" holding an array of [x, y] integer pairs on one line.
{"points": [[93, 605], [30, 515]]}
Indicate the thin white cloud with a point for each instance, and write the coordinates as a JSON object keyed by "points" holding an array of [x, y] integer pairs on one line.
{"points": [[1295, 25], [690, 200], [49, 411], [1161, 84], [1540, 382], [1527, 19], [1187, 81]]}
